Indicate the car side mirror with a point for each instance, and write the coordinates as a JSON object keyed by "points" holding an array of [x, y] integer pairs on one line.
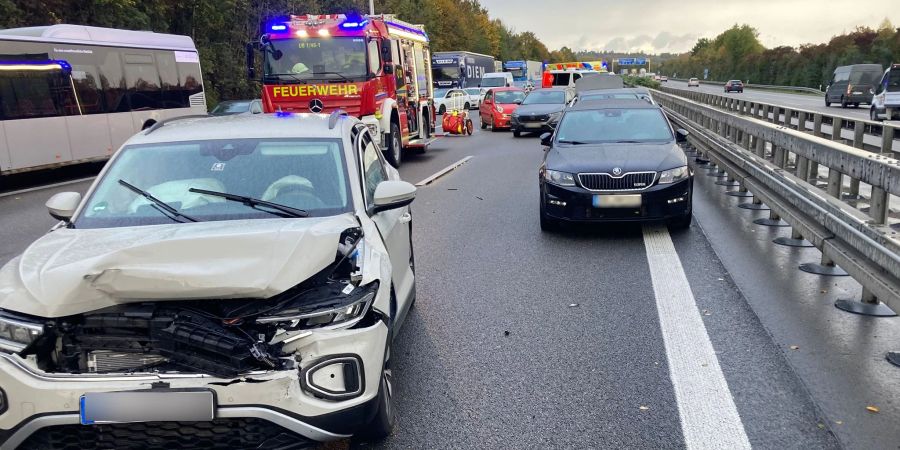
{"points": [[547, 139], [681, 135], [517, 101], [393, 194], [62, 206]]}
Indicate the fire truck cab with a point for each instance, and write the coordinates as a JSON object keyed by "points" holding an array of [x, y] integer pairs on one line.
{"points": [[377, 68]]}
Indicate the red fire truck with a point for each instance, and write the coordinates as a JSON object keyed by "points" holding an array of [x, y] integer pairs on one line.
{"points": [[377, 68]]}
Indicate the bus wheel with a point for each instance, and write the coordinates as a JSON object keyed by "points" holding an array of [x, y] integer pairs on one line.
{"points": [[395, 145]]}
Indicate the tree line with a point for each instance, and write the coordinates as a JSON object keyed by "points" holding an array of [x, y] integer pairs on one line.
{"points": [[221, 28], [738, 54]]}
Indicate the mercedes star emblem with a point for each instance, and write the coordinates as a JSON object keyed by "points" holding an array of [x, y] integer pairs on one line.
{"points": [[617, 171], [316, 105]]}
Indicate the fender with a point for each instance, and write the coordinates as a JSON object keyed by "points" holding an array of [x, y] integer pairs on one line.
{"points": [[387, 107]]}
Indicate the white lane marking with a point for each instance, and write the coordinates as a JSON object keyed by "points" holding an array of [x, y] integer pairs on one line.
{"points": [[46, 186], [709, 417], [443, 171]]}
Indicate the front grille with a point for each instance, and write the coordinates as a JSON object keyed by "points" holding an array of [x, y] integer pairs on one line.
{"points": [[217, 434], [540, 118], [632, 181]]}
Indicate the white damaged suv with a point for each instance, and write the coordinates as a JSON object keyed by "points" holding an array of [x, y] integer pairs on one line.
{"points": [[227, 281]]}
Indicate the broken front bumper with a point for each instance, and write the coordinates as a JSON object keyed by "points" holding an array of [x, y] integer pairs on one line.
{"points": [[38, 402]]}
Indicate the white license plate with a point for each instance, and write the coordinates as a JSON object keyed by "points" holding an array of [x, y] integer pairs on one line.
{"points": [[533, 125], [617, 201], [146, 406], [857, 93]]}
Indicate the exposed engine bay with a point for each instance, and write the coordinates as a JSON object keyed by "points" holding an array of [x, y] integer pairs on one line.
{"points": [[224, 338]]}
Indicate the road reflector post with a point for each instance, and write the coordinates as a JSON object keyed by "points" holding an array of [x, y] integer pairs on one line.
{"points": [[774, 220]]}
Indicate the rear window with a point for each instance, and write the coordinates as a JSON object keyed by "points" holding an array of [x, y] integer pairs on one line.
{"points": [[870, 77], [614, 125], [561, 79], [545, 97]]}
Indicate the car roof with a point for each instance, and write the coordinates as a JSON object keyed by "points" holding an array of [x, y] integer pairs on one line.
{"points": [[613, 104], [258, 126], [554, 88], [506, 88], [635, 91]]}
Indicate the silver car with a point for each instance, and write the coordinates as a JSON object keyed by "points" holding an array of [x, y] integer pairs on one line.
{"points": [[223, 273]]}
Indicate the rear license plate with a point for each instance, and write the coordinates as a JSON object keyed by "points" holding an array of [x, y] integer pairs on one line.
{"points": [[617, 201], [533, 125], [857, 93], [146, 406]]}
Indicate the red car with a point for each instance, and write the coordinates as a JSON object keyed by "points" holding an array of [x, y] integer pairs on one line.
{"points": [[734, 86], [498, 105]]}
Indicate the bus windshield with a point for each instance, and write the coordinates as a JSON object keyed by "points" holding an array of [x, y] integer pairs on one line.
{"points": [[314, 58]]}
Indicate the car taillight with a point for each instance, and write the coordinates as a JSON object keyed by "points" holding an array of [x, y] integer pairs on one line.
{"points": [[849, 89]]}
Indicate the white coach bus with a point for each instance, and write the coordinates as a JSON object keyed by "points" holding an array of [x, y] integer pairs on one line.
{"points": [[71, 94]]}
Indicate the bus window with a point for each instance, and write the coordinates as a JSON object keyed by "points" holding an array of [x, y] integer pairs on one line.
{"points": [[189, 78], [35, 93], [142, 79], [112, 80], [168, 76], [87, 86]]}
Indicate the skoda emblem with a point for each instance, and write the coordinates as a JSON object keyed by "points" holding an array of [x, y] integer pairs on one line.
{"points": [[316, 105], [617, 171]]}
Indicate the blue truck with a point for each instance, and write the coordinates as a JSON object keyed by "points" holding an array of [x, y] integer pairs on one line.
{"points": [[524, 72]]}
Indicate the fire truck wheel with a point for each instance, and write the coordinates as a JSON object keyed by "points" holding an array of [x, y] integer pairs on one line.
{"points": [[395, 146]]}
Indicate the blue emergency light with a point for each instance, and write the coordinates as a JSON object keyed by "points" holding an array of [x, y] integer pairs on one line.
{"points": [[278, 27]]}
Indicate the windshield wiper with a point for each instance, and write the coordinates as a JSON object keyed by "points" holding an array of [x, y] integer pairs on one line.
{"points": [[255, 203], [333, 73], [292, 75], [628, 142], [158, 204], [563, 141]]}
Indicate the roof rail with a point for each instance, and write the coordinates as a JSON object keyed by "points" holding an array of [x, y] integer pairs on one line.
{"points": [[335, 115], [160, 124]]}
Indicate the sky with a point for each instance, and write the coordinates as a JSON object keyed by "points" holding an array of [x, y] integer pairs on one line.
{"points": [[657, 26]]}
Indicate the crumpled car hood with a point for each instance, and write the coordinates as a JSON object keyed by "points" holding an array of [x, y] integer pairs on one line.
{"points": [[72, 271]]}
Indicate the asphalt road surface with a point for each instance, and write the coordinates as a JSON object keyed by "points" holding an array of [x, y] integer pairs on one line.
{"points": [[806, 102], [608, 337]]}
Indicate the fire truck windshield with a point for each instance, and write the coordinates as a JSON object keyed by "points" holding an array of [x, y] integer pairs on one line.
{"points": [[311, 58]]}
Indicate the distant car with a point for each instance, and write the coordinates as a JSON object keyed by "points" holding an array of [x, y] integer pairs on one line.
{"points": [[498, 106], [450, 99], [664, 79], [614, 161], [541, 110], [734, 86], [694, 82], [657, 78], [235, 107], [474, 97], [853, 85], [886, 100]]}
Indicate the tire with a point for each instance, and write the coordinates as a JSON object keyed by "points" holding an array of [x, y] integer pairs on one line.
{"points": [[827, 102], [856, 106], [844, 103], [493, 128], [683, 222], [517, 133], [483, 123], [383, 423], [466, 107], [395, 146], [442, 110]]}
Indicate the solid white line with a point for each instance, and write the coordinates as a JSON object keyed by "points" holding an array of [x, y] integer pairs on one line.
{"points": [[443, 171], [709, 418], [46, 186]]}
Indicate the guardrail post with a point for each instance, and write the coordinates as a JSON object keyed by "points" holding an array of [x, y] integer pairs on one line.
{"points": [[802, 169], [801, 120], [787, 117], [817, 125], [887, 139], [835, 183], [879, 205], [754, 109], [760, 147], [796, 240], [837, 126], [778, 156], [868, 305]]}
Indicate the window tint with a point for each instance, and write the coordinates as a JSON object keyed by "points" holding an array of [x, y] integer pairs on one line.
{"points": [[843, 75], [168, 77], [142, 78], [86, 79], [31, 93], [189, 78], [373, 170], [112, 80]]}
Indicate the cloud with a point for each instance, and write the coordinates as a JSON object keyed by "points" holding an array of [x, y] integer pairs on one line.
{"points": [[662, 43]]}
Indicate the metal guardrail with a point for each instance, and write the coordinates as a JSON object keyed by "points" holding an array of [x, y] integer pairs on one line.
{"points": [[803, 89], [772, 163]]}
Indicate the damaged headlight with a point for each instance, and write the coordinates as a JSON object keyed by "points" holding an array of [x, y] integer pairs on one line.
{"points": [[16, 334], [339, 311]]}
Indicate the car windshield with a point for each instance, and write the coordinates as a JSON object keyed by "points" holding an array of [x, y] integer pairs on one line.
{"points": [[305, 174], [493, 82], [317, 58], [545, 97], [894, 80], [507, 97], [614, 125], [229, 108], [735, 81], [441, 93]]}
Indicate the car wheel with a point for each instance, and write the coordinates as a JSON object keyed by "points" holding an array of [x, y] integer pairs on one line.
{"points": [[483, 123], [494, 125], [517, 133], [442, 110], [383, 423], [395, 146], [855, 105], [844, 103], [683, 222], [827, 102], [873, 115], [466, 107]]}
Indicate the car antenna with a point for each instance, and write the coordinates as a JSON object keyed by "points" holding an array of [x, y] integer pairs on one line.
{"points": [[335, 115]]}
